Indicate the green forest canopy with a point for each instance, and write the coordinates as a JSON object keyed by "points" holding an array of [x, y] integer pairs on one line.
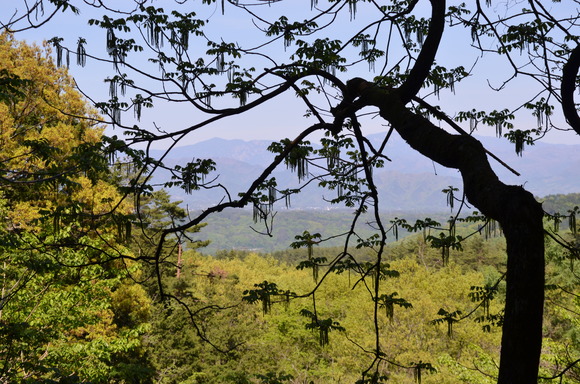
{"points": [[82, 204]]}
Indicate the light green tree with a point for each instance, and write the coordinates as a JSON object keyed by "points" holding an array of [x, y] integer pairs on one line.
{"points": [[61, 315]]}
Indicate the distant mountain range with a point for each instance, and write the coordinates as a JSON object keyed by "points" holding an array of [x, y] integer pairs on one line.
{"points": [[410, 182]]}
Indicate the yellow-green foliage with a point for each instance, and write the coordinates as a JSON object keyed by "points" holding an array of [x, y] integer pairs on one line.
{"points": [[279, 341], [49, 138], [561, 345], [64, 306], [257, 341]]}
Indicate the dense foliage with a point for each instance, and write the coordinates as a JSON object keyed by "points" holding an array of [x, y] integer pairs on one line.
{"points": [[70, 221], [563, 204], [277, 341], [61, 274]]}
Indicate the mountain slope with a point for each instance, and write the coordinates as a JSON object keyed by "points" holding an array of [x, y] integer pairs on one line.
{"points": [[408, 182]]}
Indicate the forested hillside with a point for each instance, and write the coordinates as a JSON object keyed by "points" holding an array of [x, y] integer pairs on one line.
{"points": [[237, 229], [438, 322], [407, 183], [560, 203], [121, 263]]}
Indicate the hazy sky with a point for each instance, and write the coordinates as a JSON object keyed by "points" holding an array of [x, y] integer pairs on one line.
{"points": [[282, 117]]}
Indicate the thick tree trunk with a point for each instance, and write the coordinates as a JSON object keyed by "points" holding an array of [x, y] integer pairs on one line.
{"points": [[522, 328], [519, 214]]}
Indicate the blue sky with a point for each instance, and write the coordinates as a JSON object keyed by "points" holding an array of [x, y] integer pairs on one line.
{"points": [[282, 117]]}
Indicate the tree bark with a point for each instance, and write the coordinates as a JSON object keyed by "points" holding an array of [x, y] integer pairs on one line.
{"points": [[519, 214], [569, 74]]}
